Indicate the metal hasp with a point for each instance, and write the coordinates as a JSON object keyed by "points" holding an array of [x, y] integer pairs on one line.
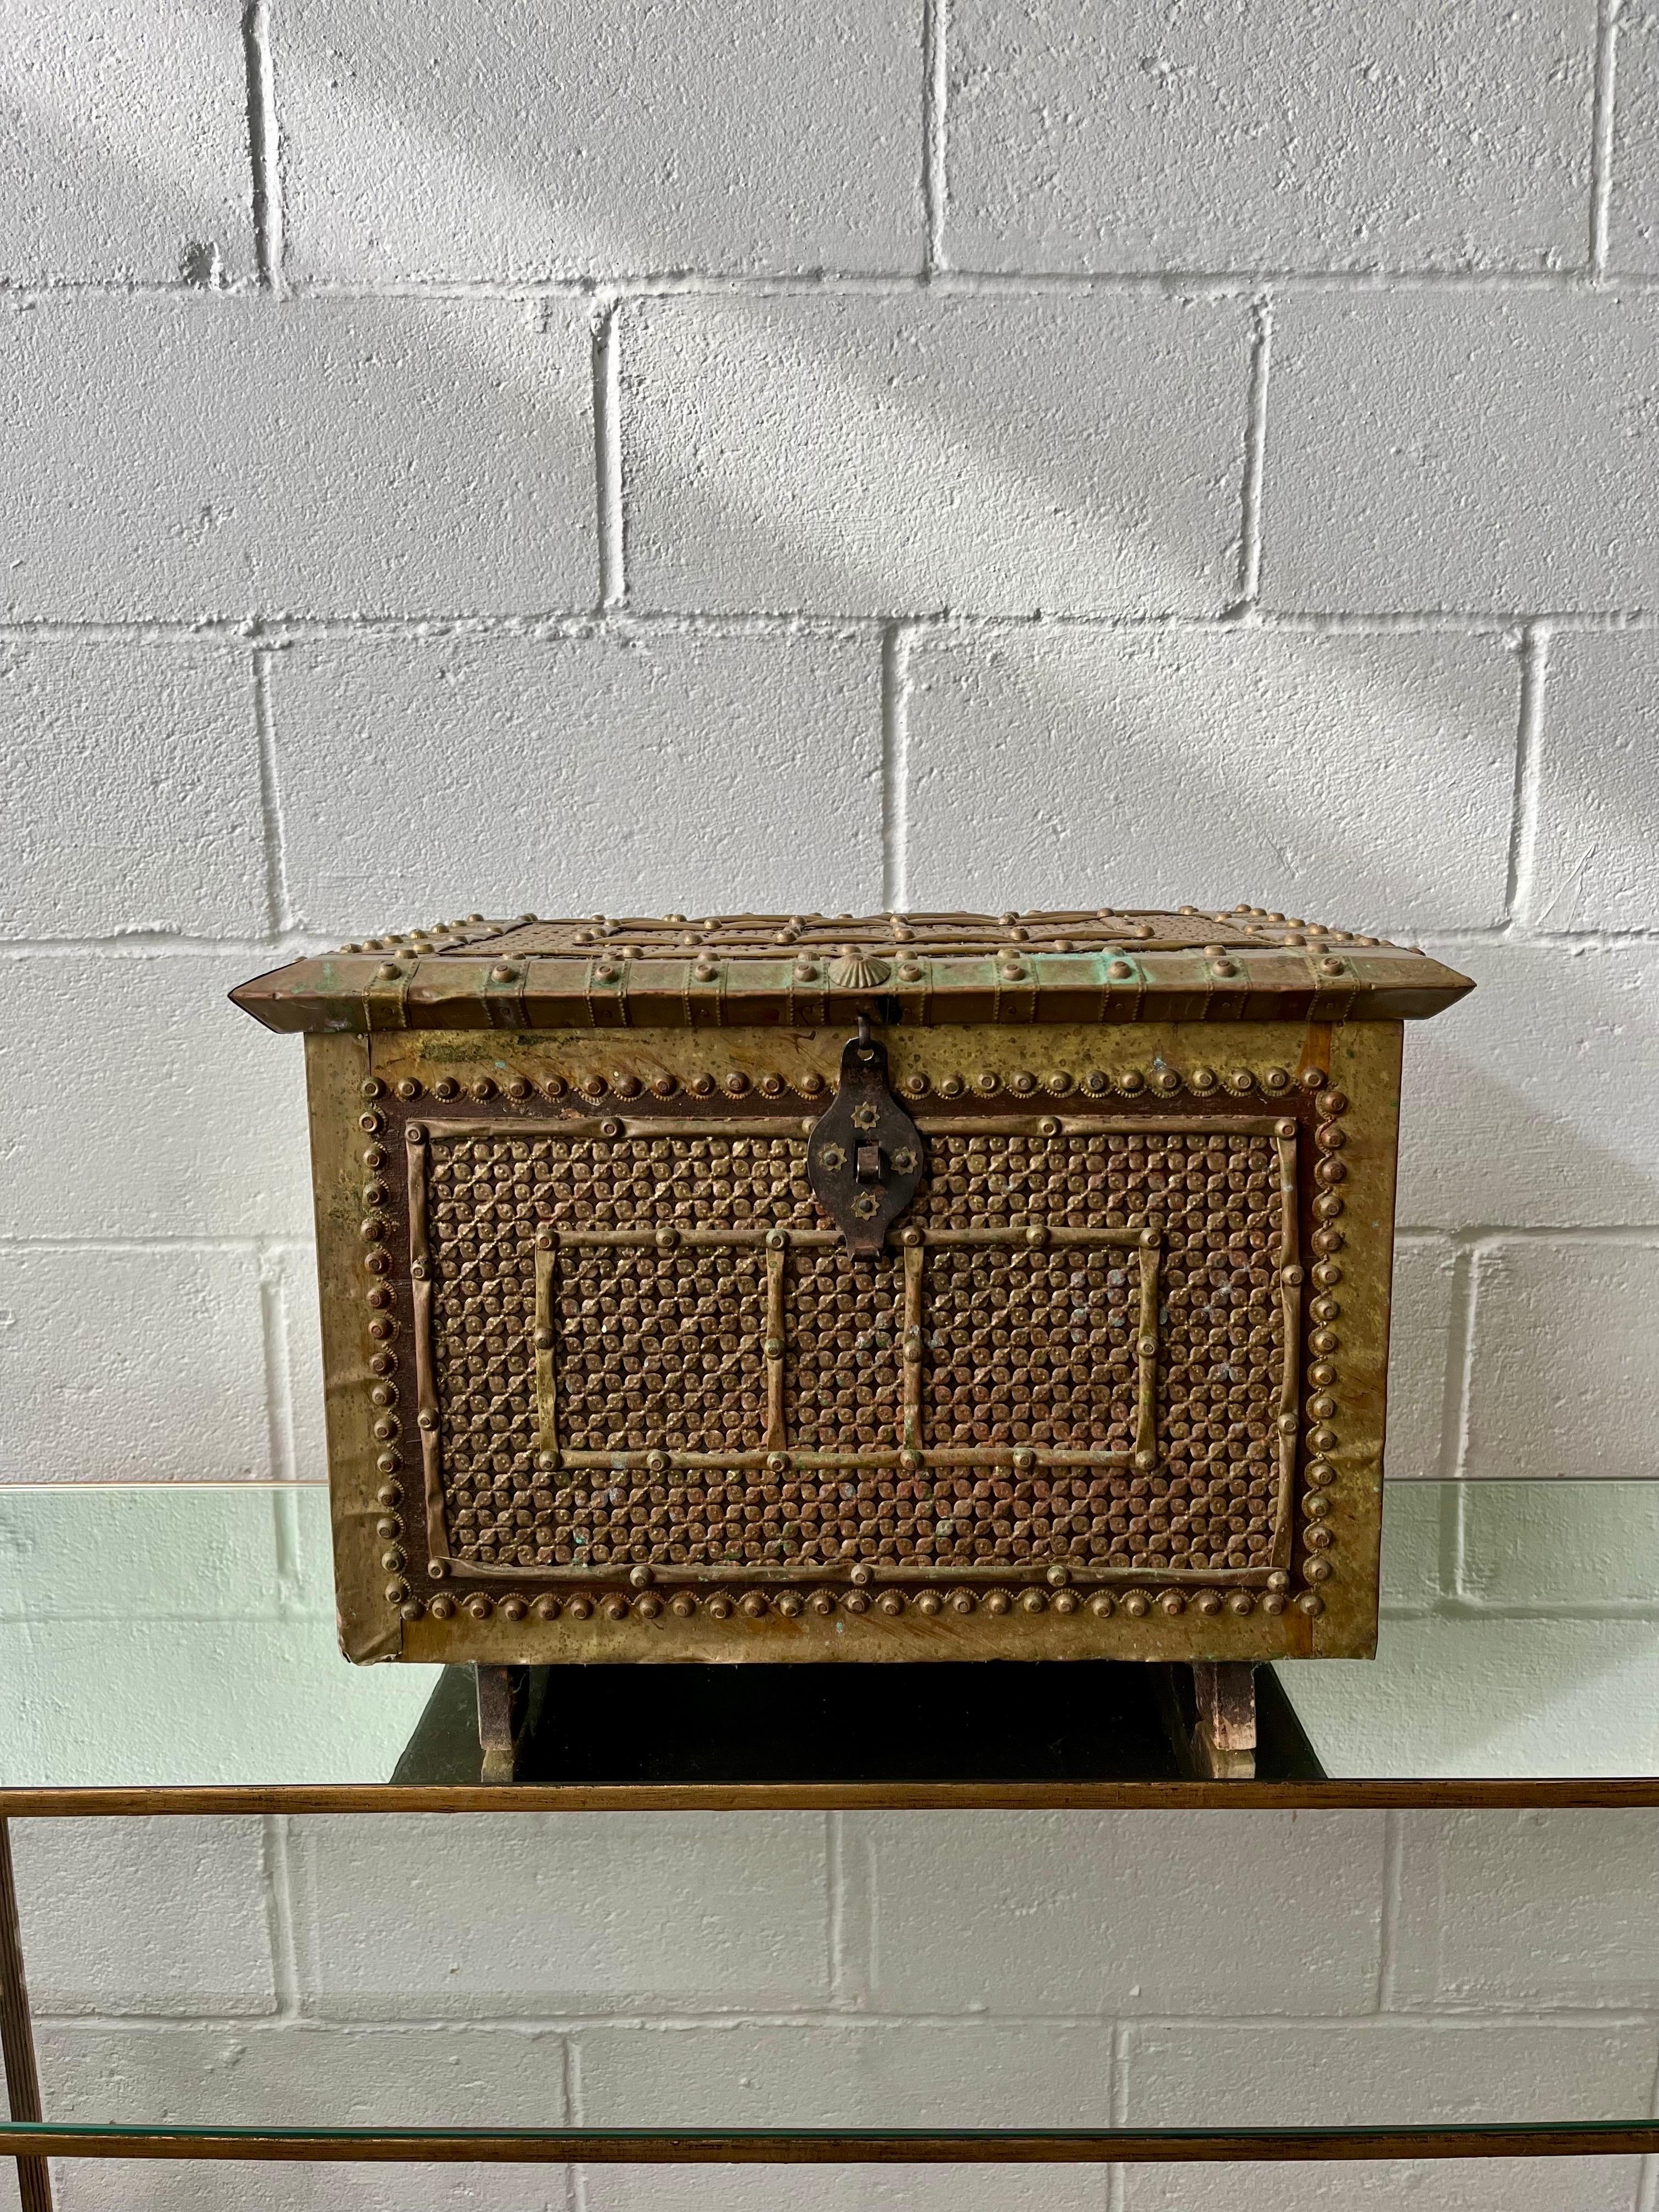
{"points": [[865, 1155]]}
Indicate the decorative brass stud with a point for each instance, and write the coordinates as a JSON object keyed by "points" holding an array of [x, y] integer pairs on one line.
{"points": [[580, 1607], [1033, 1600], [1131, 1081], [1102, 1605], [513, 1608], [997, 1601]]}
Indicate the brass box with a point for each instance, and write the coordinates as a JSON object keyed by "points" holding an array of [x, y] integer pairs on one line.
{"points": [[606, 1380]]}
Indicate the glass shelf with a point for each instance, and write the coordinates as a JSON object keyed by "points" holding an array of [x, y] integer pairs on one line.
{"points": [[183, 1637]]}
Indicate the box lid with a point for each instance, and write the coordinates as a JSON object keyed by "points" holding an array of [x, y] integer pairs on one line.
{"points": [[806, 970], [801, 971]]}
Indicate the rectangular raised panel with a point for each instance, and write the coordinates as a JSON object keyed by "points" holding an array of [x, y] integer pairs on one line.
{"points": [[641, 1350]]}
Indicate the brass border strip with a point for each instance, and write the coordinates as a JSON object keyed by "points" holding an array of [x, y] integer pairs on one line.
{"points": [[1146, 1451], [427, 1417], [1291, 1297], [942, 1574], [944, 1456], [772, 1345], [607, 1128], [547, 1407], [1034, 1235], [1102, 1121], [910, 1349], [419, 1251], [640, 1240]]}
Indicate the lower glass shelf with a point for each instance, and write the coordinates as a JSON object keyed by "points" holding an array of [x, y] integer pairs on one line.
{"points": [[1519, 1641]]}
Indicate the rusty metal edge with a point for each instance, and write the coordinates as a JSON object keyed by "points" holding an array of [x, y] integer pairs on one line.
{"points": [[836, 2146], [1494, 1794]]}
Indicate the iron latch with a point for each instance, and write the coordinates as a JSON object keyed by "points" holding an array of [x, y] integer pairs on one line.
{"points": [[865, 1157]]}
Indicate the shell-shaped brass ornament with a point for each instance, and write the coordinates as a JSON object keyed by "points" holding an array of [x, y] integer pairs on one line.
{"points": [[859, 972]]}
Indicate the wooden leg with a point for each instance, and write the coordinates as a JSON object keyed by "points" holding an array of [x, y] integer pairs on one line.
{"points": [[503, 1699], [1223, 1733], [17, 2035]]}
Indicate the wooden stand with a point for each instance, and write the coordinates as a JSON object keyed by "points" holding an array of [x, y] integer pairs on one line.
{"points": [[1224, 1728], [1210, 1713], [17, 2035], [503, 1714]]}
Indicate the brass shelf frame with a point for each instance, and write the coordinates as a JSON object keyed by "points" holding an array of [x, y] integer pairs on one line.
{"points": [[834, 2146], [31, 2142]]}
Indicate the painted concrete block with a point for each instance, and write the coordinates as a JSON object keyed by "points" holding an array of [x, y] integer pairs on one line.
{"points": [[142, 763], [177, 458], [127, 152], [1074, 767], [1594, 851], [86, 1396], [1138, 137], [1486, 450], [679, 774], [848, 454], [1563, 1380], [735, 135], [142, 1104]]}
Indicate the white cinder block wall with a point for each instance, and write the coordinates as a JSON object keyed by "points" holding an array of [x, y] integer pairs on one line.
{"points": [[893, 452]]}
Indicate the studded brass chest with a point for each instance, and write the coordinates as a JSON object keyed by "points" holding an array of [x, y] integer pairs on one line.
{"points": [[926, 1286]]}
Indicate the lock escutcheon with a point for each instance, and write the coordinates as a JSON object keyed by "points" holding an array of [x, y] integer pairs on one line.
{"points": [[864, 1156]]}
